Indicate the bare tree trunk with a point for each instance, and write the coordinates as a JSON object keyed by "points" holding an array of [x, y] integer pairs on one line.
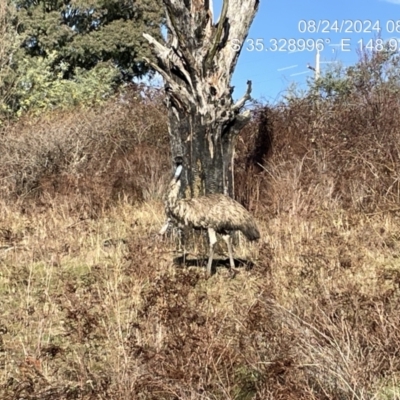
{"points": [[197, 64]]}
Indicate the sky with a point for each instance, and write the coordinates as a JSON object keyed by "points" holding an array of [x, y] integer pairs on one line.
{"points": [[340, 27]]}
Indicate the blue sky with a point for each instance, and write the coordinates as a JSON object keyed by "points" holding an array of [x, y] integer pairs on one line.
{"points": [[273, 71]]}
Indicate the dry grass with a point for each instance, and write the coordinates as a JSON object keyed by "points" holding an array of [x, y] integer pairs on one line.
{"points": [[95, 309]]}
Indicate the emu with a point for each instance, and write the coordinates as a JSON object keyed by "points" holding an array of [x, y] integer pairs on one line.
{"points": [[215, 212]]}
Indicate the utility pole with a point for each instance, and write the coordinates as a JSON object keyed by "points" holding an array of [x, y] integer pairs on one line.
{"points": [[317, 68], [317, 65]]}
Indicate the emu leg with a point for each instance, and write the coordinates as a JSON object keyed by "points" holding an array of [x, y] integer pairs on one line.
{"points": [[212, 239], [228, 241], [182, 243]]}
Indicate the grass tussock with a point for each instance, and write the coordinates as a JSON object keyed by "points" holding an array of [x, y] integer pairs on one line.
{"points": [[93, 307]]}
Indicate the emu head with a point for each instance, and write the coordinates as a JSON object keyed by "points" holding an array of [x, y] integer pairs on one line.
{"points": [[178, 172], [174, 187], [176, 178]]}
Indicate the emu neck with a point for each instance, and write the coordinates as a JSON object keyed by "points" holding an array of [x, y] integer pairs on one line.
{"points": [[173, 195]]}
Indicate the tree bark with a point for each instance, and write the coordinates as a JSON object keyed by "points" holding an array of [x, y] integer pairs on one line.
{"points": [[197, 63]]}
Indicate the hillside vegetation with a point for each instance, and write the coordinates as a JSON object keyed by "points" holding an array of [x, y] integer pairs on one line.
{"points": [[92, 305]]}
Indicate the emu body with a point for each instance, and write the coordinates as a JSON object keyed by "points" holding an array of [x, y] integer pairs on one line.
{"points": [[215, 212]]}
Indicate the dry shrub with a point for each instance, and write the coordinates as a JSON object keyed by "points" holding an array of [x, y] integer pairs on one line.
{"points": [[117, 150], [351, 149], [346, 145]]}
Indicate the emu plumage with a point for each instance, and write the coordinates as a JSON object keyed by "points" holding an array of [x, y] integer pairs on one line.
{"points": [[215, 212]]}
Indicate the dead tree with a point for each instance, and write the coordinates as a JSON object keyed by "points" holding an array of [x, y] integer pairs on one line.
{"points": [[197, 62]]}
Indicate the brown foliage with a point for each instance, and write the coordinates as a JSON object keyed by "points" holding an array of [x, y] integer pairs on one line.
{"points": [[101, 154]]}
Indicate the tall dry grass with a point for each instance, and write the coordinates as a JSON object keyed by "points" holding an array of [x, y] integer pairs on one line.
{"points": [[95, 308]]}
